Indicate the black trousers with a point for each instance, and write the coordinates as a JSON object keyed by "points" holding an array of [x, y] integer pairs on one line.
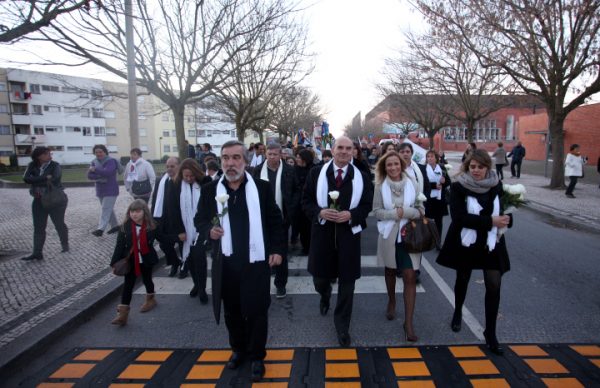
{"points": [[168, 247], [247, 334], [515, 168], [130, 279], [40, 221], [572, 183], [281, 270], [499, 171], [198, 267], [343, 307]]}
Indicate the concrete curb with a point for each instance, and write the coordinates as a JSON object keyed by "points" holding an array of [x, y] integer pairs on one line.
{"points": [[4, 184], [566, 219]]}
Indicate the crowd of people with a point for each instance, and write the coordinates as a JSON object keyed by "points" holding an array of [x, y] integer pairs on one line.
{"points": [[250, 206]]}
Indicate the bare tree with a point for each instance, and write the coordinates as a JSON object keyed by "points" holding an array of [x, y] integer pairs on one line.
{"points": [[297, 108], [549, 48], [19, 18], [183, 49]]}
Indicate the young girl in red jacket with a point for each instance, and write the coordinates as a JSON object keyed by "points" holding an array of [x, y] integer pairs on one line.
{"points": [[135, 241]]}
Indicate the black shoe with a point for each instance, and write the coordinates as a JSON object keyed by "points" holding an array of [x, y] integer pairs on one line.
{"points": [[183, 273], [65, 248], [235, 360], [324, 306], [98, 233], [113, 230], [344, 339], [258, 370], [492, 344], [456, 324], [280, 293], [570, 195], [31, 257], [418, 276], [173, 271], [203, 296], [194, 292]]}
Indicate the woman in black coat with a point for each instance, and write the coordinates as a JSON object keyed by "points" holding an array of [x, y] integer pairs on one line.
{"points": [[359, 161], [472, 241], [136, 243], [304, 163], [41, 173], [436, 206]]}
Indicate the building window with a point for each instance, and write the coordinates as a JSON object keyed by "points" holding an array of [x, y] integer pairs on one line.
{"points": [[85, 112], [99, 131], [71, 110], [173, 133], [96, 94], [3, 108], [233, 133], [35, 88], [72, 129], [88, 150], [2, 87], [22, 129], [191, 133], [201, 133], [140, 99], [142, 116], [50, 88], [69, 90], [4, 130], [166, 148], [190, 119], [23, 150], [142, 132], [166, 133], [165, 117], [97, 113], [109, 114], [112, 132], [112, 149], [38, 130], [51, 109], [87, 131], [19, 109], [56, 148], [74, 148], [83, 93], [143, 148], [36, 110], [53, 128]]}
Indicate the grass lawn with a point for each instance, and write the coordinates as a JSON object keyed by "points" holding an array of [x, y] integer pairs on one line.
{"points": [[75, 175]]}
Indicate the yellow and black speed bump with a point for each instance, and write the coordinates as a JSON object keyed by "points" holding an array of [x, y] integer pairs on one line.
{"points": [[425, 366]]}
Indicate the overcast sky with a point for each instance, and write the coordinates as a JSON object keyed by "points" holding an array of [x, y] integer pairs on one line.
{"points": [[351, 39]]}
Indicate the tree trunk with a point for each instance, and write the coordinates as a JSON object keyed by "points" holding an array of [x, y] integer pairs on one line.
{"points": [[179, 113], [431, 136], [557, 135], [470, 130], [238, 128]]}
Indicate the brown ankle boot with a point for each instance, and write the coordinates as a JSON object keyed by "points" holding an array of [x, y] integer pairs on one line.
{"points": [[122, 314], [149, 304], [390, 284]]}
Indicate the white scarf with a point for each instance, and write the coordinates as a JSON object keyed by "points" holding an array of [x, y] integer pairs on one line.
{"points": [[357, 189], [256, 160], [256, 242], [469, 236], [434, 176], [188, 204], [410, 195], [132, 175], [415, 171], [264, 175], [160, 197]]}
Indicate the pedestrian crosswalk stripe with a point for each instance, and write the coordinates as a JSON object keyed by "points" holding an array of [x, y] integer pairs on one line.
{"points": [[300, 262]]}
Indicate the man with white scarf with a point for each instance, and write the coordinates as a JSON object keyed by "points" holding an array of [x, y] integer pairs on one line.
{"points": [[337, 198], [259, 155], [167, 216], [284, 184], [241, 212]]}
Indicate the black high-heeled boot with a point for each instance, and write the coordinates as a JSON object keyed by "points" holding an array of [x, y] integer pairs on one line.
{"points": [[456, 323], [492, 343]]}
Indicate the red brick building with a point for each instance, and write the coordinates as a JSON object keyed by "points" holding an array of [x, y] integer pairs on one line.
{"points": [[582, 126]]}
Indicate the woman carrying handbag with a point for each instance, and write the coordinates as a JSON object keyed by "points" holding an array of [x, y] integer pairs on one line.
{"points": [[394, 204], [44, 174], [135, 245]]}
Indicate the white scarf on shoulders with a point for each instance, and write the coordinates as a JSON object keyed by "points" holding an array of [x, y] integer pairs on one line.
{"points": [[434, 175], [188, 204], [160, 197], [385, 226], [256, 242], [256, 160], [357, 189], [469, 236], [264, 175], [416, 173]]}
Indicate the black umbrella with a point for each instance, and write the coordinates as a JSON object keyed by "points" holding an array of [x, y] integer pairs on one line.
{"points": [[216, 275]]}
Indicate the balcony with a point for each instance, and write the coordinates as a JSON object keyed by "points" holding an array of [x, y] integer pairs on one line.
{"points": [[30, 139]]}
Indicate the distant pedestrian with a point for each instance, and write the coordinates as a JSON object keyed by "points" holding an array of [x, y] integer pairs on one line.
{"points": [[436, 206], [43, 174], [470, 147], [139, 176], [103, 171], [573, 168], [598, 167], [517, 154], [304, 163], [191, 150], [213, 170], [499, 157]]}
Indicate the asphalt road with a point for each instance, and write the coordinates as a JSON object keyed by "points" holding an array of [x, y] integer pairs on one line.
{"points": [[551, 295]]}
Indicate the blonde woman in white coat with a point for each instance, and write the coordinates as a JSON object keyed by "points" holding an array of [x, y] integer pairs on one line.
{"points": [[573, 168], [394, 203]]}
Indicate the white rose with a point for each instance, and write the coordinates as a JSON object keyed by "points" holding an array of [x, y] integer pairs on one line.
{"points": [[334, 195], [519, 189], [222, 198], [448, 167], [510, 189], [421, 197]]}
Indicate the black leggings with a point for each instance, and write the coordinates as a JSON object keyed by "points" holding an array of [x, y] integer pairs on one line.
{"points": [[493, 281], [130, 283]]}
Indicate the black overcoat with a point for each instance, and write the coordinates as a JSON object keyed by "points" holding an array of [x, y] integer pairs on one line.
{"points": [[170, 224], [124, 244], [323, 259], [255, 285], [290, 190], [477, 256]]}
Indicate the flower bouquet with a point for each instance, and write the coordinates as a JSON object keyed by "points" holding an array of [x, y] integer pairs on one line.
{"points": [[512, 198]]}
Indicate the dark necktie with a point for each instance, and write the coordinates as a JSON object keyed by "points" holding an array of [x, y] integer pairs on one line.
{"points": [[338, 178]]}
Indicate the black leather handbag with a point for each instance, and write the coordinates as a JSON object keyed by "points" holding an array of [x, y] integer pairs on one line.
{"points": [[54, 198], [141, 188]]}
